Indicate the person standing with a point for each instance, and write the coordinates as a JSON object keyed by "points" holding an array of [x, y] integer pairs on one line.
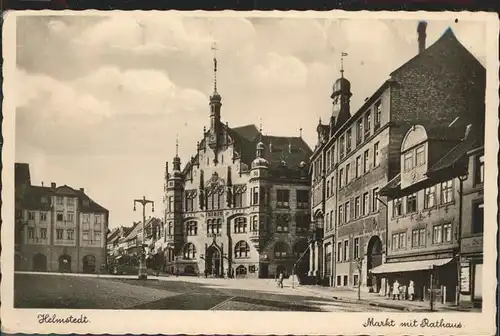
{"points": [[280, 280], [395, 290], [411, 290]]}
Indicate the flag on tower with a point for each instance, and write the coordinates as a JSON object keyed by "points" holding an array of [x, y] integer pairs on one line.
{"points": [[344, 54]]}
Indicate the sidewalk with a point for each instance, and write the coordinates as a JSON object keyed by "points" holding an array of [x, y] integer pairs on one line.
{"points": [[375, 299]]}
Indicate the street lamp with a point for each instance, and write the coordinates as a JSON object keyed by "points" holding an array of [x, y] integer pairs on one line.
{"points": [[462, 178], [143, 271]]}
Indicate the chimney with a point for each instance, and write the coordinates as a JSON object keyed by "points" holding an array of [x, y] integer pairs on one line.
{"points": [[42, 183], [422, 25], [82, 190], [53, 185]]}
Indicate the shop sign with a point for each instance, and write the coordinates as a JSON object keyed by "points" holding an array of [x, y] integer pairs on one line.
{"points": [[472, 244], [465, 278]]}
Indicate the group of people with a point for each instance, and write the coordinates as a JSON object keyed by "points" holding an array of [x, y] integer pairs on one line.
{"points": [[403, 292]]}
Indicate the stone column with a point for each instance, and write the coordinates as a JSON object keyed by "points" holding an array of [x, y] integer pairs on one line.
{"points": [[318, 258], [311, 259]]}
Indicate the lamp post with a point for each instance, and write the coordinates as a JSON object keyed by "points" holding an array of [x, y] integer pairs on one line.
{"points": [[462, 179], [143, 271], [359, 265]]}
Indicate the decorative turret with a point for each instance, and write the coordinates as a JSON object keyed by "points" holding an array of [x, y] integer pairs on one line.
{"points": [[176, 162], [341, 95], [215, 107], [259, 161]]}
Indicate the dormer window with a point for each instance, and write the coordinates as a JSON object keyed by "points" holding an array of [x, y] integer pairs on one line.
{"points": [[420, 155], [341, 149], [408, 160]]}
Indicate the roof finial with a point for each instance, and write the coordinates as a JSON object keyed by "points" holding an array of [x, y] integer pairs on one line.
{"points": [[300, 130], [342, 55], [260, 129], [214, 49], [177, 144]]}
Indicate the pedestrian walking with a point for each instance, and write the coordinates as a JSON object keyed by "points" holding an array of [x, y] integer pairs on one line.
{"points": [[395, 290], [280, 280], [411, 290]]}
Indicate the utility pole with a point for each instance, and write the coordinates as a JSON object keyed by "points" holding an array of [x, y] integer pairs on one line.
{"points": [[143, 271]]}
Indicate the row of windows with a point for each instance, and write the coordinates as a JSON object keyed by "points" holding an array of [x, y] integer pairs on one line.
{"points": [[414, 158], [361, 207], [216, 200], [60, 234], [343, 253], [409, 204], [70, 201], [214, 226], [241, 250], [362, 166], [70, 217], [440, 234], [345, 278]]}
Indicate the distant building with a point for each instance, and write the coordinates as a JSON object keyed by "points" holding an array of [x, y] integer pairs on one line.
{"points": [[240, 205], [59, 229], [442, 89]]}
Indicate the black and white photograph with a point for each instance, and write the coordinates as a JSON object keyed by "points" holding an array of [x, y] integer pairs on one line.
{"points": [[168, 163]]}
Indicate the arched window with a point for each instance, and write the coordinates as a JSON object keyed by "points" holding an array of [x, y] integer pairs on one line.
{"points": [[280, 250], [192, 228], [189, 251], [241, 271], [241, 250], [240, 225]]}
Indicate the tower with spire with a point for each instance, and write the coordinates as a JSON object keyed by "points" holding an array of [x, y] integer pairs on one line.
{"points": [[341, 96], [215, 108]]}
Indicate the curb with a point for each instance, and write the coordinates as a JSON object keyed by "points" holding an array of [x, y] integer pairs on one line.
{"points": [[374, 304]]}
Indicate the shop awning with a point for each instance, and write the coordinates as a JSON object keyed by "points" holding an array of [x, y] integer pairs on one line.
{"points": [[398, 267]]}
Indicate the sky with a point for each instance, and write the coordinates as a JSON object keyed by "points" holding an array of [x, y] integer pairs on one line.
{"points": [[102, 99]]}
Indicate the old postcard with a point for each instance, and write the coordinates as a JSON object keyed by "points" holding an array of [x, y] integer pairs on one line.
{"points": [[249, 172]]}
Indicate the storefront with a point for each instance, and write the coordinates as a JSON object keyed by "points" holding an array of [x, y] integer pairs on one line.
{"points": [[440, 275], [471, 272]]}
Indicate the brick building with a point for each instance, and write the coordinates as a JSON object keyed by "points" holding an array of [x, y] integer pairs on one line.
{"points": [[59, 229], [240, 205], [358, 154]]}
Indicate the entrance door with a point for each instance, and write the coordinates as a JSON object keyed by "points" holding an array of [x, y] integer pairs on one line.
{"points": [[89, 264], [65, 263], [40, 262], [374, 259], [213, 261], [264, 271]]}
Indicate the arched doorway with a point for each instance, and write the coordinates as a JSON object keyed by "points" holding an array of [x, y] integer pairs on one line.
{"points": [[88, 264], [241, 271], [301, 258], [65, 263], [373, 259], [213, 261], [39, 262]]}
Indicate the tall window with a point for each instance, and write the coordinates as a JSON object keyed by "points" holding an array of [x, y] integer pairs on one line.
{"points": [[411, 203], [478, 217], [328, 259], [31, 215], [378, 115], [429, 197], [214, 226], [420, 155], [59, 200], [479, 171], [301, 223], [366, 162], [189, 201], [43, 216], [283, 198], [437, 234], [192, 228], [368, 121], [59, 234], [347, 211], [327, 223], [408, 160], [359, 131], [327, 160], [357, 207], [366, 208], [280, 250], [241, 250], [70, 234], [447, 232], [282, 222], [421, 237], [240, 225], [171, 203], [339, 251], [71, 219], [240, 196], [341, 175], [60, 216], [358, 166], [414, 238], [43, 233], [402, 239], [348, 145], [31, 233], [189, 251], [347, 171], [341, 148], [255, 195], [346, 250], [327, 188], [255, 223], [356, 248], [397, 207], [447, 192], [395, 241], [375, 199], [418, 237], [376, 160], [341, 214]]}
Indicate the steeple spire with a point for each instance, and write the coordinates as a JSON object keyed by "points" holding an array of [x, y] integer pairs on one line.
{"points": [[260, 129], [214, 49], [177, 145], [342, 64]]}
